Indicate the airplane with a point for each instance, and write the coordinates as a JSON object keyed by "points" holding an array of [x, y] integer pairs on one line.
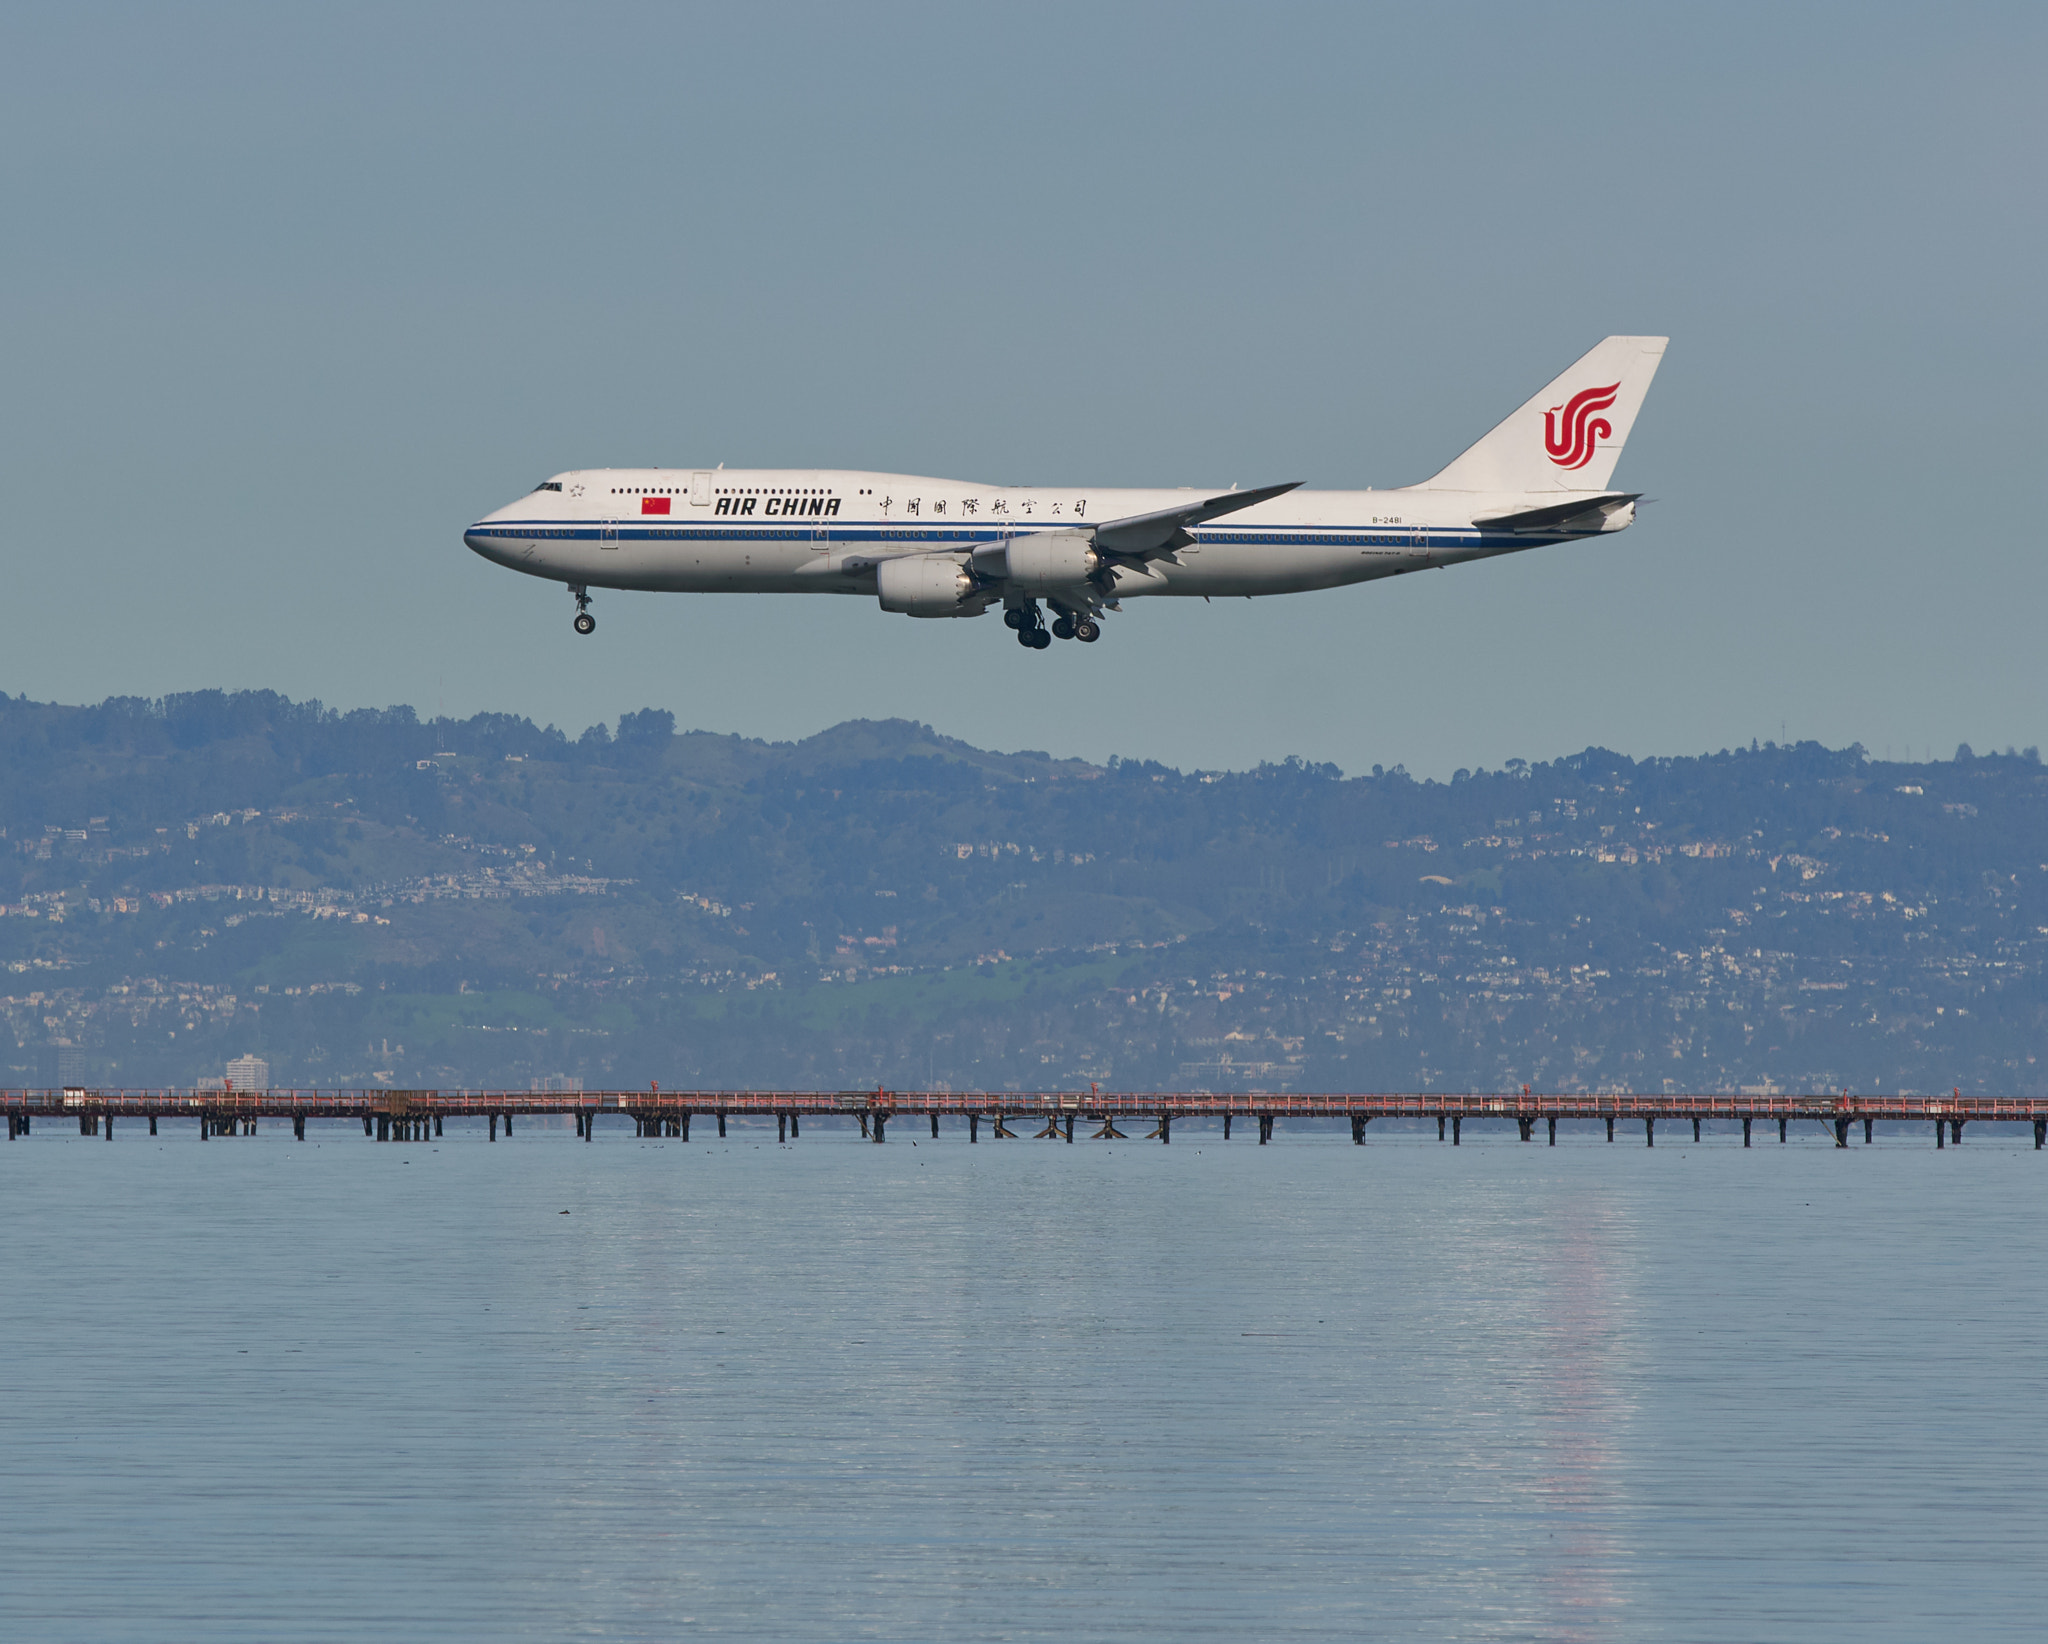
{"points": [[946, 548]]}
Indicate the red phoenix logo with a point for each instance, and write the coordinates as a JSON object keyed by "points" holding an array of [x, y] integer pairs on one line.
{"points": [[1570, 442]]}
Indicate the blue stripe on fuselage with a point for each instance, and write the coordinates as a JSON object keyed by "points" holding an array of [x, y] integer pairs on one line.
{"points": [[850, 532]]}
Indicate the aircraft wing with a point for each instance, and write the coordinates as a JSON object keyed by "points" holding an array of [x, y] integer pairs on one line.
{"points": [[1146, 536]]}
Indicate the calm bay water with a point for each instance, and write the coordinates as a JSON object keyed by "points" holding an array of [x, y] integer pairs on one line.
{"points": [[259, 1389]]}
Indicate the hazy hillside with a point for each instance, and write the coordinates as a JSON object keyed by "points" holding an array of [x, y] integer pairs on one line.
{"points": [[364, 896]]}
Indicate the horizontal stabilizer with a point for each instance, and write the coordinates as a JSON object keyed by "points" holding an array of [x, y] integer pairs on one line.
{"points": [[1556, 514], [1142, 535]]}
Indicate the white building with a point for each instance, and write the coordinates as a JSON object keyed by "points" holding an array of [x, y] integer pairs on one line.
{"points": [[248, 1073]]}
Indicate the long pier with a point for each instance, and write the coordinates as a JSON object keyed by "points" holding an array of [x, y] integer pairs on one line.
{"points": [[414, 1115]]}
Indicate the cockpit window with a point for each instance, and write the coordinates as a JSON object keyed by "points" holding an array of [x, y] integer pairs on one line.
{"points": [[549, 485]]}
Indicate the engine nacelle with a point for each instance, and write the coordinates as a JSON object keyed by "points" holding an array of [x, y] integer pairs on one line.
{"points": [[1049, 562], [928, 585]]}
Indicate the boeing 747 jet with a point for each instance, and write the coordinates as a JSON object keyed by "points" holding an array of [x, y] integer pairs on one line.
{"points": [[946, 548]]}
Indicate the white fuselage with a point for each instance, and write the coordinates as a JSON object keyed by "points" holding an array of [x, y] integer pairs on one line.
{"points": [[778, 531]]}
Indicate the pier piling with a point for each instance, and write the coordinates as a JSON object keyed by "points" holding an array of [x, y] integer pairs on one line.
{"points": [[1527, 1126], [1610, 1127], [881, 1126], [1649, 1130], [1745, 1129], [1867, 1123], [1457, 1124], [1553, 1130], [1357, 1131], [721, 1125], [935, 1128], [1841, 1132], [1781, 1130], [1695, 1128], [974, 1127], [1940, 1133]]}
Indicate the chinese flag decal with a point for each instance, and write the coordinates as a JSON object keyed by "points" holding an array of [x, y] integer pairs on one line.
{"points": [[654, 505]]}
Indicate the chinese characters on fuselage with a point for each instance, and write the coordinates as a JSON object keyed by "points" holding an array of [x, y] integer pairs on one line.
{"points": [[972, 505]]}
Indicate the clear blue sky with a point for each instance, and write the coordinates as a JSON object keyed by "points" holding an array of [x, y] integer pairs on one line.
{"points": [[292, 294]]}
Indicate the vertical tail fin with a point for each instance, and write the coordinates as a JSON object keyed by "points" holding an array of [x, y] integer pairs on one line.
{"points": [[1569, 436]]}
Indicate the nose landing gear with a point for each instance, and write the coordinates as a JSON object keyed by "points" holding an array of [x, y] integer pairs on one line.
{"points": [[585, 622]]}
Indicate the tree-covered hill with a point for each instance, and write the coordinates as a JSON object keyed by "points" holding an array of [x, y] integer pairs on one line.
{"points": [[365, 896]]}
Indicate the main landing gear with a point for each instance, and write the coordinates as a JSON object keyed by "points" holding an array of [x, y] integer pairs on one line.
{"points": [[1030, 627], [1032, 633], [585, 622]]}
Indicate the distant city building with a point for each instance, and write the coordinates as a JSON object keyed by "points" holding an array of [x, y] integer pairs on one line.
{"points": [[65, 1065], [557, 1084], [248, 1073]]}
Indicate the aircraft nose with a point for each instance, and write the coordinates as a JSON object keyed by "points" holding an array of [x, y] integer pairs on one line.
{"points": [[490, 541]]}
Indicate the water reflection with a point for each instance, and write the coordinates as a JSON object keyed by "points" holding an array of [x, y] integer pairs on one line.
{"points": [[1586, 1419]]}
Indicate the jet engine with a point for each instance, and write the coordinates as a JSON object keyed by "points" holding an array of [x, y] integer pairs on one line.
{"points": [[1049, 562], [928, 585]]}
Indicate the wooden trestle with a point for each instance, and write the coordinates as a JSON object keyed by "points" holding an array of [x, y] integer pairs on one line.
{"points": [[398, 1115]]}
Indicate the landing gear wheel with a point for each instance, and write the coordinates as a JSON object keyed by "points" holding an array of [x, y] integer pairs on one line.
{"points": [[585, 623], [1087, 631], [1017, 617], [1028, 637], [1063, 628], [1038, 639]]}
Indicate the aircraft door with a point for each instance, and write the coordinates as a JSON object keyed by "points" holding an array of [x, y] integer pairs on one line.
{"points": [[608, 537], [700, 489]]}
